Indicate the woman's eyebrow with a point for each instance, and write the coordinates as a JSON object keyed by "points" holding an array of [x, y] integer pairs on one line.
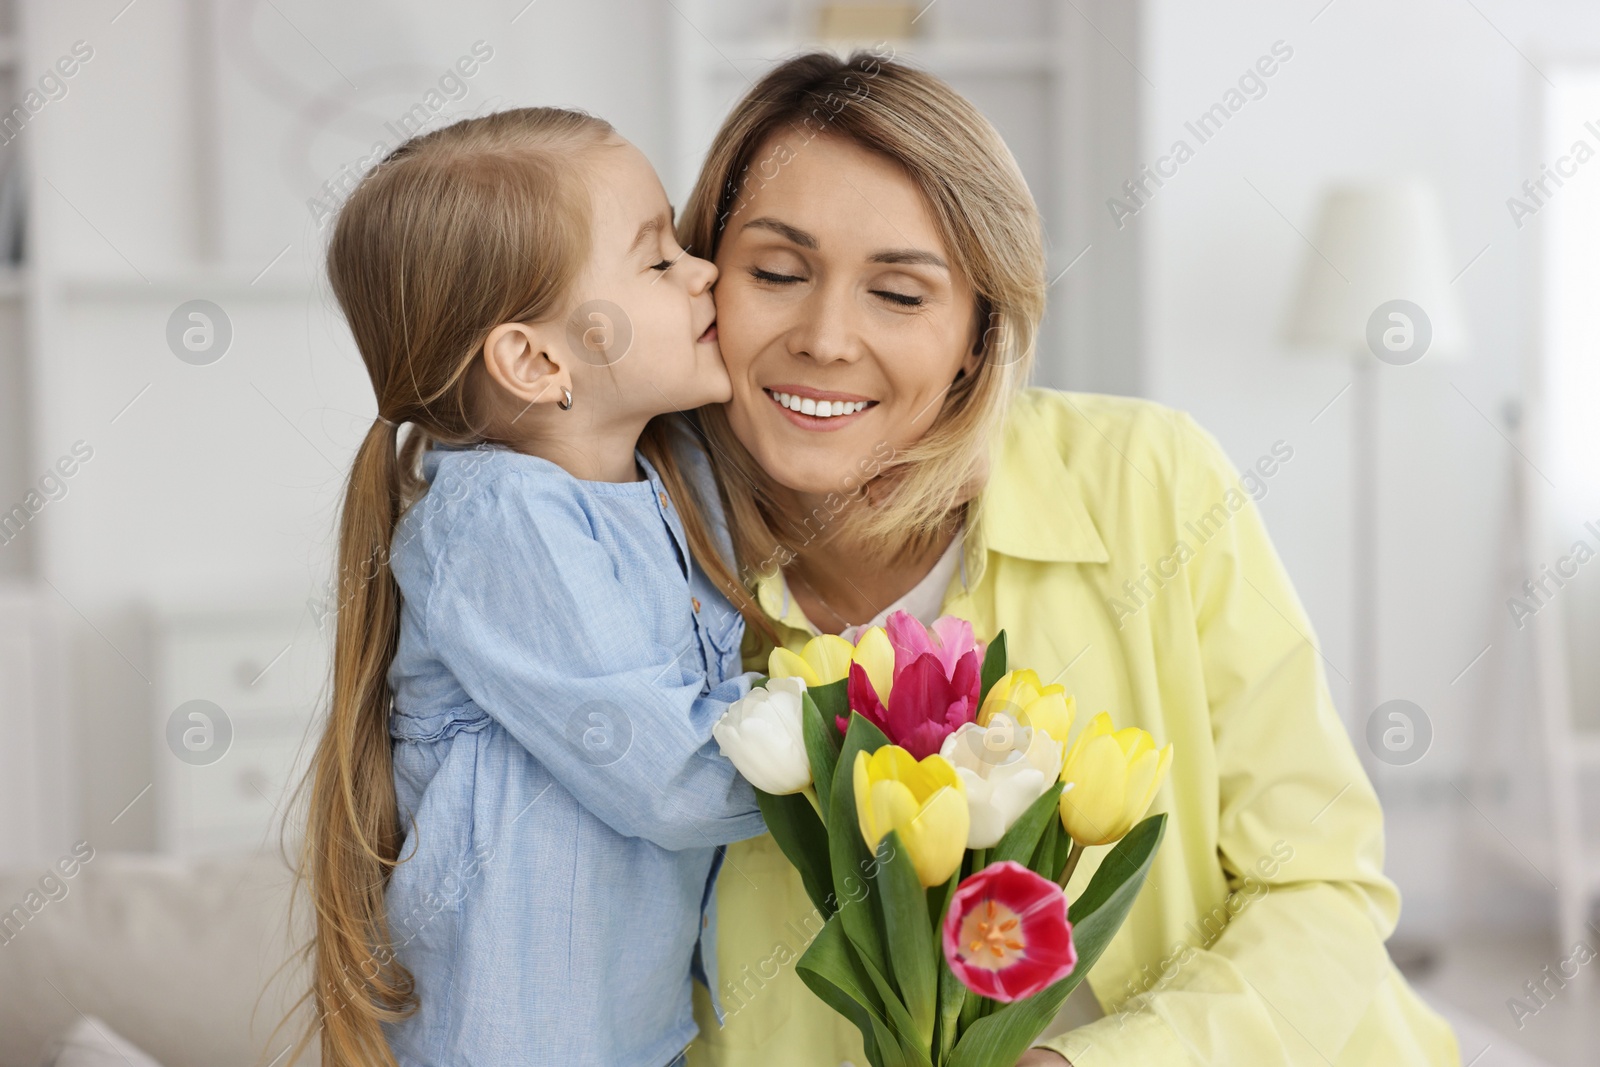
{"points": [[911, 256], [908, 255], [782, 229]]}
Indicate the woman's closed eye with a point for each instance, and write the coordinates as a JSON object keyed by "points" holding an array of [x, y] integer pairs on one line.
{"points": [[902, 299], [775, 278], [665, 264]]}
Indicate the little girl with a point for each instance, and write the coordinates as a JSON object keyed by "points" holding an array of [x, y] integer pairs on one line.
{"points": [[516, 807]]}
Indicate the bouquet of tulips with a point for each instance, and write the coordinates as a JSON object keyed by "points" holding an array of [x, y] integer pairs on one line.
{"points": [[918, 758]]}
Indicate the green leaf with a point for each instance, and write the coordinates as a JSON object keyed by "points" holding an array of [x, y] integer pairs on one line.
{"points": [[1063, 852], [1096, 916], [914, 1047], [834, 973], [1114, 880], [994, 666], [794, 825], [951, 991], [971, 1011], [848, 851], [938, 900], [822, 748], [833, 700], [1043, 861], [1020, 842], [912, 953], [952, 998]]}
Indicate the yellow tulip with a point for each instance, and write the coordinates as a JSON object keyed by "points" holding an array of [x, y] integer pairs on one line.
{"points": [[1019, 695], [824, 659], [1112, 776], [925, 803], [876, 656]]}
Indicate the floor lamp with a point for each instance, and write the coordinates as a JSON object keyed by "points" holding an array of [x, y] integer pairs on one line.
{"points": [[1375, 289]]}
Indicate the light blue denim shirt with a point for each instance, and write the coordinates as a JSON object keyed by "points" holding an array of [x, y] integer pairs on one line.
{"points": [[560, 664]]}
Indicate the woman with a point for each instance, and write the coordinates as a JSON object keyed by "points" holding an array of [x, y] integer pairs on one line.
{"points": [[881, 284]]}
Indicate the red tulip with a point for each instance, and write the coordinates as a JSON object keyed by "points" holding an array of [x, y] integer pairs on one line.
{"points": [[937, 679], [1006, 935]]}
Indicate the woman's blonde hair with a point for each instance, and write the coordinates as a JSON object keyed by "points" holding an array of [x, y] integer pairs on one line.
{"points": [[457, 231], [990, 227]]}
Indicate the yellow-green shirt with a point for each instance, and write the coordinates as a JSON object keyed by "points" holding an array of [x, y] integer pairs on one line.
{"points": [[1114, 544]]}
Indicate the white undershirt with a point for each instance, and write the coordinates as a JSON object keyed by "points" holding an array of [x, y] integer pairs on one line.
{"points": [[923, 601]]}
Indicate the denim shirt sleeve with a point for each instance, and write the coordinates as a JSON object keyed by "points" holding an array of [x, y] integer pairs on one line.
{"points": [[526, 611]]}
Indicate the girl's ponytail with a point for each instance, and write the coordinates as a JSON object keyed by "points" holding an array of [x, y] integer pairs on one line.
{"points": [[352, 833], [458, 230]]}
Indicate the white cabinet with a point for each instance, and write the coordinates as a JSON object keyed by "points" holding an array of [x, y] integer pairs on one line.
{"points": [[37, 802], [236, 698]]}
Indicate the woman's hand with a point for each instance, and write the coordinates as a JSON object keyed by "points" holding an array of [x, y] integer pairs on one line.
{"points": [[1043, 1057]]}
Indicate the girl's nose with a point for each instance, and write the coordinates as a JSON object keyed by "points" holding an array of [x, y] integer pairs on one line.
{"points": [[702, 274]]}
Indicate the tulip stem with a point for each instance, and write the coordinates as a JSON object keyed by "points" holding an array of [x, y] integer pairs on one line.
{"points": [[811, 794], [1074, 854]]}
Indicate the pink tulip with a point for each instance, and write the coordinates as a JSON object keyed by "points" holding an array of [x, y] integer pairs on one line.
{"points": [[937, 679], [1006, 935]]}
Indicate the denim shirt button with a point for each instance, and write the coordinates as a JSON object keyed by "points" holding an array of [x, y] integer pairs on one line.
{"points": [[696, 602], [664, 502]]}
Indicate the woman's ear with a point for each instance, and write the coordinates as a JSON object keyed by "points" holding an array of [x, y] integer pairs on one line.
{"points": [[521, 360]]}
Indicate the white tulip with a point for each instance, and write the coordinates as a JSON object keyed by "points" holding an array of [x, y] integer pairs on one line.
{"points": [[1005, 768], [761, 735]]}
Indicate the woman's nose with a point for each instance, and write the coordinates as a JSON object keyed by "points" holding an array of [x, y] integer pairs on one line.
{"points": [[828, 332]]}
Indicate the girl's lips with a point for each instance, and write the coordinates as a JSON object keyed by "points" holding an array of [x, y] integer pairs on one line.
{"points": [[710, 335], [822, 423]]}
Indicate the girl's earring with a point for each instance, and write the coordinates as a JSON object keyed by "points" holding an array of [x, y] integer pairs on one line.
{"points": [[565, 402]]}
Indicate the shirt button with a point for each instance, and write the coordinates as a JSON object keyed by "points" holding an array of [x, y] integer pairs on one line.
{"points": [[664, 502], [705, 921], [696, 602]]}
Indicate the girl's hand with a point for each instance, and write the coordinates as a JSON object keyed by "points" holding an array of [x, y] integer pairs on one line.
{"points": [[1043, 1057]]}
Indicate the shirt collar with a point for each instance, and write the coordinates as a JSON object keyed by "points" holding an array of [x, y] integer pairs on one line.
{"points": [[1031, 506]]}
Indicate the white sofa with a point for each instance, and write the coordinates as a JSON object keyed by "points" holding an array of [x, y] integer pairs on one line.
{"points": [[176, 956]]}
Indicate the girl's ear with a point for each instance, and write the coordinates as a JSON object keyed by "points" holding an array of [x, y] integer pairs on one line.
{"points": [[521, 360]]}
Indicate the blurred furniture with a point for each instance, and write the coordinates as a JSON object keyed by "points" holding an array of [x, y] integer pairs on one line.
{"points": [[176, 956], [236, 694], [1375, 246], [1555, 490], [36, 794], [16, 467]]}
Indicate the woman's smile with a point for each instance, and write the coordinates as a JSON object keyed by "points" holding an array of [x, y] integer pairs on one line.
{"points": [[818, 409]]}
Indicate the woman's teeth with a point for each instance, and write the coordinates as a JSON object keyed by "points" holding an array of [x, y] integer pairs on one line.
{"points": [[824, 409]]}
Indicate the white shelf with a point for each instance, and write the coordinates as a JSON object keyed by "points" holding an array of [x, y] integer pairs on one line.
{"points": [[188, 283]]}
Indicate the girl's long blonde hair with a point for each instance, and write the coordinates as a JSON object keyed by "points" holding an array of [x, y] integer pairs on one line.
{"points": [[457, 231], [990, 226]]}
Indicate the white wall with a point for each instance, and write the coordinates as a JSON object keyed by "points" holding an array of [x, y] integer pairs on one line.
{"points": [[1374, 89]]}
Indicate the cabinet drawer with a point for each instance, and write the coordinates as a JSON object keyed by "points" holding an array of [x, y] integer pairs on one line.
{"points": [[240, 800], [246, 665]]}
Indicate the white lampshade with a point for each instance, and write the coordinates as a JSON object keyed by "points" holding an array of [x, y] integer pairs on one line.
{"points": [[1387, 241]]}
